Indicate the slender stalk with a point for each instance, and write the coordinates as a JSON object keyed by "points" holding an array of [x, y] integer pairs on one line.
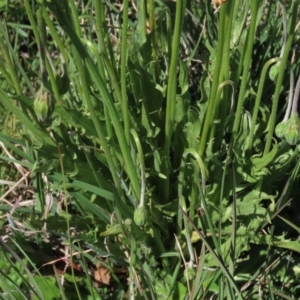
{"points": [[222, 102], [258, 99], [74, 13], [247, 62], [152, 24], [101, 28], [169, 32], [194, 197], [132, 262], [100, 25], [188, 231], [108, 60], [272, 120], [234, 224], [142, 166], [52, 79], [102, 33], [124, 102], [228, 8], [42, 45], [171, 95], [214, 89]]}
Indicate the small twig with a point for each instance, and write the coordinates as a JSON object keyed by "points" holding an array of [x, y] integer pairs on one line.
{"points": [[65, 257], [18, 166], [185, 264], [15, 185], [246, 285]]}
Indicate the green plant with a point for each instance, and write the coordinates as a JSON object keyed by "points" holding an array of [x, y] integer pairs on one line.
{"points": [[157, 152]]}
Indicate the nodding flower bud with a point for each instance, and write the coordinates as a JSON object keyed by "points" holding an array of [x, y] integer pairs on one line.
{"points": [[292, 130], [280, 129], [140, 216], [42, 104]]}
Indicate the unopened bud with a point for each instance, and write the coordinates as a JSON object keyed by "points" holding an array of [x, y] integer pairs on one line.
{"points": [[42, 104], [292, 132], [280, 129], [140, 216]]}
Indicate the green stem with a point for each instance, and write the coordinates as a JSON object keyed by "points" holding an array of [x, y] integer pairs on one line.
{"points": [[247, 62], [229, 8], [75, 18], [101, 28], [169, 32], [108, 60], [100, 25], [222, 102], [272, 120], [257, 100], [152, 24], [194, 198], [42, 45], [188, 231], [124, 102], [142, 166], [132, 262], [171, 95], [213, 95], [102, 33]]}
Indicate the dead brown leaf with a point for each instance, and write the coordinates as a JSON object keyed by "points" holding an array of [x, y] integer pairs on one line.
{"points": [[102, 274]]}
